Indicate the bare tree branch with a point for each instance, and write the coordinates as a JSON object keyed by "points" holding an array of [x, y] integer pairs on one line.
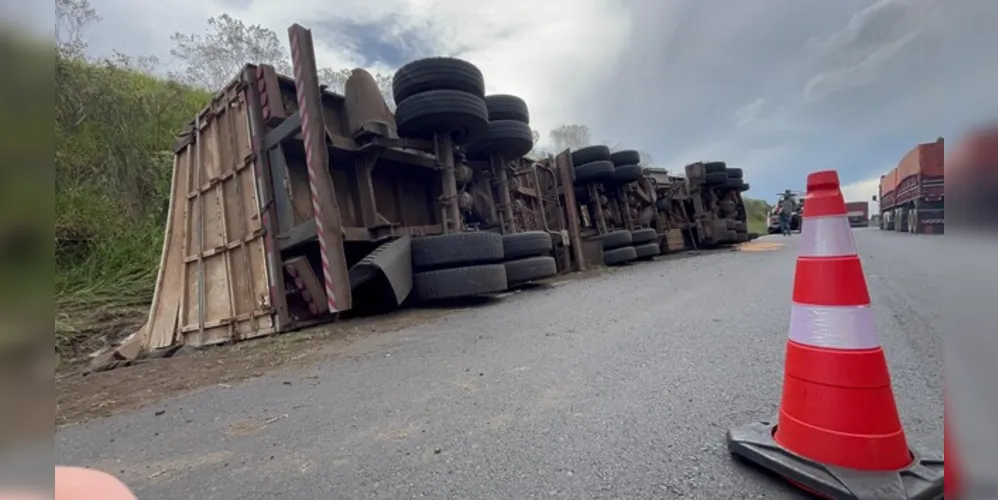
{"points": [[212, 59]]}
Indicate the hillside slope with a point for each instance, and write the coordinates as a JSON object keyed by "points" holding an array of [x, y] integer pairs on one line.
{"points": [[114, 127]]}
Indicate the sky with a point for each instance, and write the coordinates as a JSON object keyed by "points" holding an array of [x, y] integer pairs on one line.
{"points": [[779, 88]]}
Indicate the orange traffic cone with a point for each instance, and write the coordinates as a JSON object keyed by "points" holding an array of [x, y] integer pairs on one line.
{"points": [[838, 433]]}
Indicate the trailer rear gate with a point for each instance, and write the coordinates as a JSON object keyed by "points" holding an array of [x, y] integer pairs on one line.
{"points": [[214, 240]]}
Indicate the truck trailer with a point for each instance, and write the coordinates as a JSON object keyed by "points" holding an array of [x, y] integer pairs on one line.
{"points": [[911, 195], [858, 213], [292, 205]]}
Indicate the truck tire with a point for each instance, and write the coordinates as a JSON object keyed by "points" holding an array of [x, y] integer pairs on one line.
{"points": [[740, 226], [459, 282], [462, 114], [641, 236], [713, 167], [730, 236], [522, 271], [437, 73], [627, 173], [616, 239], [619, 256], [743, 188], [625, 157], [590, 154], [715, 178], [730, 224], [511, 138], [526, 244], [734, 172], [457, 249], [734, 183], [593, 172], [507, 107], [647, 251]]}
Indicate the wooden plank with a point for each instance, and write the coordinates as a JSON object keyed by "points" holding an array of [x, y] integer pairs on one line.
{"points": [[162, 323], [563, 166]]}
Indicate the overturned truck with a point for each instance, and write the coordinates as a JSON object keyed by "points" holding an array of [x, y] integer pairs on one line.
{"points": [[630, 212], [291, 203]]}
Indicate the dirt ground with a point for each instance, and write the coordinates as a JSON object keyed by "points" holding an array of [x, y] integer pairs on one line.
{"points": [[81, 397]]}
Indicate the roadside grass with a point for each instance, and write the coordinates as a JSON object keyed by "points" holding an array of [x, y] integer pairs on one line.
{"points": [[114, 129], [757, 225]]}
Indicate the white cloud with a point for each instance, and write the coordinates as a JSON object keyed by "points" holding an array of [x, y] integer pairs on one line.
{"points": [[857, 54], [749, 112], [522, 46], [638, 71]]}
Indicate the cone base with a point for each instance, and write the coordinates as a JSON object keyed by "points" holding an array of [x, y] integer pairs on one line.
{"points": [[921, 479]]}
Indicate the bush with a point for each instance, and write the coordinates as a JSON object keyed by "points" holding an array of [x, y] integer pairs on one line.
{"points": [[756, 212], [114, 128]]}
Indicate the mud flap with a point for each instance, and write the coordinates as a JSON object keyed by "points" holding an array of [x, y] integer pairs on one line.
{"points": [[394, 260], [922, 479]]}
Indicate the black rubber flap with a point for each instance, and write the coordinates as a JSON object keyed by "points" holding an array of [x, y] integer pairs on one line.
{"points": [[922, 479]]}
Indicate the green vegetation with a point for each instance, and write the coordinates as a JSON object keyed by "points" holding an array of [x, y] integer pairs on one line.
{"points": [[114, 127], [757, 210]]}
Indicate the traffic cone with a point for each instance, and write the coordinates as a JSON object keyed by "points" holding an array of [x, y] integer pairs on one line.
{"points": [[838, 407], [838, 433]]}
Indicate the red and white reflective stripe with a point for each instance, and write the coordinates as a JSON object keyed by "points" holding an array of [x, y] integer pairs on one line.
{"points": [[827, 237], [310, 163], [834, 327]]}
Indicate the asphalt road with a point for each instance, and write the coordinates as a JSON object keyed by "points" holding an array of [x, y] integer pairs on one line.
{"points": [[616, 386]]}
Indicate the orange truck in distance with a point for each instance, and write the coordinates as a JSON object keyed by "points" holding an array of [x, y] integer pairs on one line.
{"points": [[858, 213], [911, 194]]}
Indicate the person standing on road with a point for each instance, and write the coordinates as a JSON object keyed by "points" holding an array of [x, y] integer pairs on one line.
{"points": [[786, 210]]}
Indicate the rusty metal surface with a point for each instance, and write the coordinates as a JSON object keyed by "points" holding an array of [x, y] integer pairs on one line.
{"points": [[324, 203], [394, 260], [365, 107]]}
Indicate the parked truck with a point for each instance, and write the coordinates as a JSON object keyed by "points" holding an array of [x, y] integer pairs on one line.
{"points": [[858, 213], [911, 195]]}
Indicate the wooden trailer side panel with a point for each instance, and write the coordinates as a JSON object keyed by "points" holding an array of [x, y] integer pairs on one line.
{"points": [[225, 294]]}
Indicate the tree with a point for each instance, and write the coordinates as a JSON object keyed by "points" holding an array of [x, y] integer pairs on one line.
{"points": [[212, 59], [336, 80], [570, 137], [71, 18]]}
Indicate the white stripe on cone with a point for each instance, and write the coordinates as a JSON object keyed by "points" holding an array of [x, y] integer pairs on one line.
{"points": [[834, 327], [827, 237]]}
